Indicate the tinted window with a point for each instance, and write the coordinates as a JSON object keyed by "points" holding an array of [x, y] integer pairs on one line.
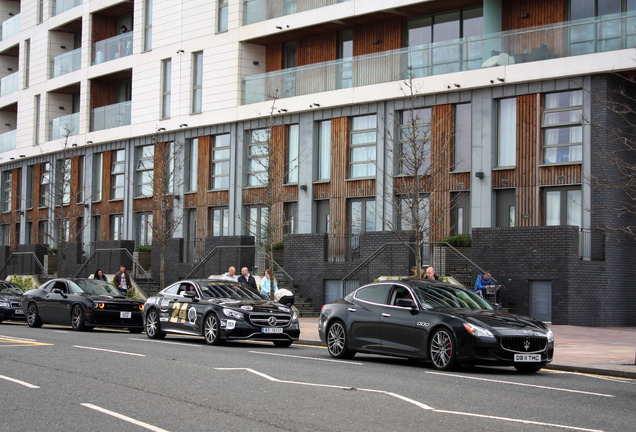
{"points": [[434, 297], [171, 289], [10, 289], [95, 287], [373, 293], [227, 290]]}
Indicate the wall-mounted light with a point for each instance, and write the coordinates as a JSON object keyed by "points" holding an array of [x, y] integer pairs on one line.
{"points": [[183, 125], [376, 41], [22, 156], [9, 69], [479, 174], [10, 13], [7, 125], [457, 85], [255, 63], [524, 15], [177, 197], [500, 79], [282, 110], [314, 105], [504, 181], [87, 205], [89, 142], [12, 158], [73, 145], [180, 51], [161, 129], [63, 47], [303, 187], [61, 107]]}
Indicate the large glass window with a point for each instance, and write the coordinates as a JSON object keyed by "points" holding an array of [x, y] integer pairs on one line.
{"points": [[222, 15], [81, 169], [562, 206], [147, 25], [414, 212], [292, 153], [29, 188], [144, 229], [415, 142], [220, 165], [562, 127], [463, 137], [117, 227], [145, 166], [362, 147], [345, 52], [45, 185], [323, 171], [96, 178], [361, 215], [166, 66], [460, 213], [117, 177], [219, 221], [191, 164], [291, 218], [257, 220], [64, 181], [507, 133], [258, 157], [43, 232], [197, 82], [7, 184]]}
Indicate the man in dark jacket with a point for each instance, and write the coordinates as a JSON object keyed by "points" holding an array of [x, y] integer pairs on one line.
{"points": [[248, 279], [122, 280]]}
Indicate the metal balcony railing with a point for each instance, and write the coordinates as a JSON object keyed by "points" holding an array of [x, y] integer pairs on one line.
{"points": [[67, 125], [111, 116], [9, 84], [602, 34], [260, 10], [8, 141], [66, 63], [112, 48], [10, 27], [60, 6]]}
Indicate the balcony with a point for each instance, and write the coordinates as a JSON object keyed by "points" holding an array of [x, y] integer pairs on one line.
{"points": [[64, 126], [66, 63], [608, 33], [60, 6], [261, 10], [111, 116], [9, 84], [112, 48], [7, 141], [10, 27]]}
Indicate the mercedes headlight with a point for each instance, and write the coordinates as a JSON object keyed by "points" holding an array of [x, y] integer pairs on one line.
{"points": [[478, 331], [233, 314]]}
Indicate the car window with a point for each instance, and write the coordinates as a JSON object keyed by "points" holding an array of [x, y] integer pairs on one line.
{"points": [[437, 297], [228, 290], [10, 289], [400, 292], [172, 290], [60, 285], [374, 293], [96, 287]]}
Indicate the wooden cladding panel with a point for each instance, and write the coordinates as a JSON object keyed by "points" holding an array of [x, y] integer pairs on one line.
{"points": [[103, 27], [102, 93], [274, 57], [317, 48], [560, 175], [526, 206], [526, 139], [387, 35], [322, 190], [204, 151]]}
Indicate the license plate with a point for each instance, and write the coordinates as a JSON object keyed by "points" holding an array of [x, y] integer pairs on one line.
{"points": [[528, 358], [19, 312], [125, 314], [271, 330]]}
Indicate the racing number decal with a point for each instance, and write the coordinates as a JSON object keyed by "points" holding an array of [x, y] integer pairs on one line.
{"points": [[179, 312]]}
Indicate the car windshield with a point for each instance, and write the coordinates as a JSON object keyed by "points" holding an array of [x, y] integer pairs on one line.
{"points": [[94, 287], [10, 289], [227, 290], [436, 297]]}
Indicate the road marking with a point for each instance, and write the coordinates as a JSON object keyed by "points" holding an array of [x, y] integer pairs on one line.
{"points": [[112, 351], [166, 342], [61, 331], [26, 384], [123, 417], [18, 338], [522, 384], [409, 400], [622, 380], [308, 358], [9, 341]]}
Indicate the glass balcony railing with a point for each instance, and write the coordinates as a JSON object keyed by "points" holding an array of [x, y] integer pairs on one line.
{"points": [[7, 141], [112, 48], [64, 126], [111, 116], [10, 27], [9, 84], [261, 10], [573, 38], [60, 6], [66, 63]]}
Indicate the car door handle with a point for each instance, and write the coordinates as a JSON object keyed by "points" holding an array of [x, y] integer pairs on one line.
{"points": [[386, 315], [351, 309]]}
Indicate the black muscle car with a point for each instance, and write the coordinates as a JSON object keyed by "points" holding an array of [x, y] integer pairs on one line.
{"points": [[219, 310], [82, 303], [10, 301], [435, 321]]}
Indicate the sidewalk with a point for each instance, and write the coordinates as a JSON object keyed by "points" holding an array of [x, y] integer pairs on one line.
{"points": [[607, 351]]}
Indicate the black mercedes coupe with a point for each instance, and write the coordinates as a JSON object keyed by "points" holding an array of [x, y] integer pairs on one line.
{"points": [[435, 321], [219, 310], [10, 301], [82, 303]]}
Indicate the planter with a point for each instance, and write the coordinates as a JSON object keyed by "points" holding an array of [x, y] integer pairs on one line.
{"points": [[144, 259], [50, 264]]}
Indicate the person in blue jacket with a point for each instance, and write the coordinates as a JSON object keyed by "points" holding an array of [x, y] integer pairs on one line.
{"points": [[482, 283], [268, 285]]}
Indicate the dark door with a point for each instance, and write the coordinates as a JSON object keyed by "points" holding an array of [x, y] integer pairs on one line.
{"points": [[365, 316], [55, 307], [182, 313], [399, 325], [541, 300]]}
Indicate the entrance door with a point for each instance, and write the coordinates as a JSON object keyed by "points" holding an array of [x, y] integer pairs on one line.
{"points": [[541, 300]]}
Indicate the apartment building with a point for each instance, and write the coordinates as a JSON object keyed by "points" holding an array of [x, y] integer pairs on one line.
{"points": [[94, 95]]}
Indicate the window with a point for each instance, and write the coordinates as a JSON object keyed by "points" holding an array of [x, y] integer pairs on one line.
{"points": [[64, 179], [147, 25], [27, 62], [116, 227], [345, 52], [28, 233], [258, 157], [414, 212], [96, 179], [191, 164], [166, 67], [219, 221], [190, 241], [5, 235], [257, 220], [374, 294], [96, 226], [144, 171], [222, 16], [562, 127], [220, 165], [197, 82], [323, 171], [40, 11], [45, 185], [463, 137], [6, 190], [505, 211], [79, 198], [62, 226], [460, 213], [507, 133], [562, 206], [361, 215], [292, 153], [43, 232], [291, 218], [117, 175], [415, 142], [29, 187], [36, 123], [322, 217], [144, 229], [362, 147]]}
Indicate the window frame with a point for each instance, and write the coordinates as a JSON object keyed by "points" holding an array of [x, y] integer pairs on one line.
{"points": [[293, 147], [511, 147], [258, 157], [564, 215], [409, 135], [223, 227], [370, 146], [546, 127], [166, 87], [220, 162], [222, 16], [115, 174], [197, 83], [323, 151], [144, 171], [7, 189]]}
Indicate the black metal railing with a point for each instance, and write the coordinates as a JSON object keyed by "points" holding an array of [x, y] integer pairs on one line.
{"points": [[23, 263]]}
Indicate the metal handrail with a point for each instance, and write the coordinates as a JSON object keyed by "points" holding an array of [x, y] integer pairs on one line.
{"points": [[35, 260], [280, 268], [210, 254]]}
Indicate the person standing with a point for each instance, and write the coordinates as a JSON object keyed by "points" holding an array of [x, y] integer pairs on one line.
{"points": [[230, 275], [430, 274], [99, 275], [268, 286], [248, 279], [122, 280]]}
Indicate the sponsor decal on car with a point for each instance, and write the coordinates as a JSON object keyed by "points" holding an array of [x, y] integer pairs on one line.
{"points": [[192, 315], [248, 308]]}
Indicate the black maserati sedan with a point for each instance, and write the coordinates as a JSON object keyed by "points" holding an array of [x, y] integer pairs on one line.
{"points": [[219, 310], [82, 303], [10, 301], [434, 321]]}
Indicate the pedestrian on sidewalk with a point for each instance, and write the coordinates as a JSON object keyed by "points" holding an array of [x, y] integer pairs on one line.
{"points": [[248, 279], [122, 281], [268, 286]]}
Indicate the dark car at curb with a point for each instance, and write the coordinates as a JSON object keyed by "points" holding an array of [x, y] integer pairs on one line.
{"points": [[83, 304], [11, 302], [433, 321], [219, 311]]}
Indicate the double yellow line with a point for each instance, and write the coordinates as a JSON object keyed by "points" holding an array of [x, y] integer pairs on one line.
{"points": [[6, 341]]}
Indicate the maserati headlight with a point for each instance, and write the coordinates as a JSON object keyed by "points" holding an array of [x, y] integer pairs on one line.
{"points": [[4, 304], [478, 331], [550, 335], [233, 314]]}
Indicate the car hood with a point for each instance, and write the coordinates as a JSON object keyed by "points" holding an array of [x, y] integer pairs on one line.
{"points": [[498, 320], [11, 297], [263, 306], [107, 298]]}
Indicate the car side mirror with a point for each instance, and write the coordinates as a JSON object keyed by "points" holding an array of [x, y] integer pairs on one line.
{"points": [[191, 295], [59, 291], [405, 302]]}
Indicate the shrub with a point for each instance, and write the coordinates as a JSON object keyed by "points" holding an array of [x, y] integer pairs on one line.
{"points": [[143, 249], [24, 282], [278, 246], [52, 251], [459, 240]]}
